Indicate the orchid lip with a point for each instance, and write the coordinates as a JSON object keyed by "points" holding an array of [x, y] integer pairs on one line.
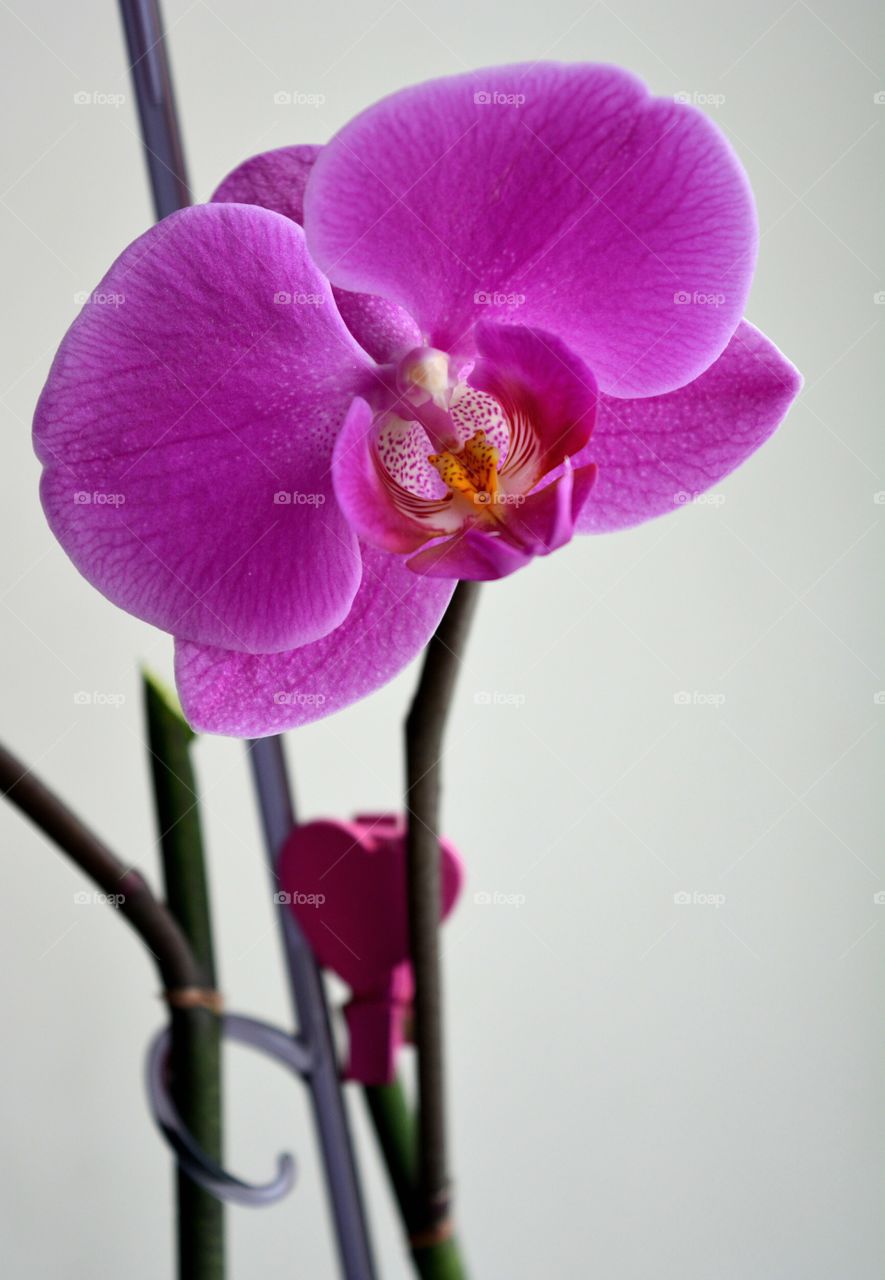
{"points": [[449, 455]]}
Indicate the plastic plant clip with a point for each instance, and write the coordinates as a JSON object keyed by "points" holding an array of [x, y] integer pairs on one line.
{"points": [[345, 883]]}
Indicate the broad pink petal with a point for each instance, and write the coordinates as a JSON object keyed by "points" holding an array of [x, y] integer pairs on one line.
{"points": [[276, 180], [473, 555], [657, 454], [537, 374], [559, 196], [394, 614], [186, 433]]}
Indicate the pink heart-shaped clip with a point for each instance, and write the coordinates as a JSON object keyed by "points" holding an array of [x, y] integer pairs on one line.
{"points": [[345, 883]]}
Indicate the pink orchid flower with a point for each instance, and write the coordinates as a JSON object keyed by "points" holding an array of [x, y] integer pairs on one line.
{"points": [[493, 311]]}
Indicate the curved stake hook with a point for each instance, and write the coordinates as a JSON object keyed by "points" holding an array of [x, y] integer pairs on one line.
{"points": [[287, 1049]]}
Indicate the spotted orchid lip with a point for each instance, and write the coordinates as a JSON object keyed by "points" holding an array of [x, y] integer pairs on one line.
{"points": [[447, 453], [451, 454]]}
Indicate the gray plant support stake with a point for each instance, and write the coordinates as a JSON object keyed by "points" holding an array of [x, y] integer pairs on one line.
{"points": [[152, 82], [278, 820], [164, 153]]}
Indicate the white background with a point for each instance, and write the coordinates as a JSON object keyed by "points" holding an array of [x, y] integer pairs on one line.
{"points": [[640, 1087]]}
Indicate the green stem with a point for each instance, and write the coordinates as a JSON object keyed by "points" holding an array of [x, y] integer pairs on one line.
{"points": [[424, 738], [196, 1033], [395, 1130]]}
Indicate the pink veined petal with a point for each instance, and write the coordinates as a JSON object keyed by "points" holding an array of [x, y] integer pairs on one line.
{"points": [[559, 196], [186, 433], [276, 180], [537, 376], [382, 328], [472, 554], [394, 614], [654, 455]]}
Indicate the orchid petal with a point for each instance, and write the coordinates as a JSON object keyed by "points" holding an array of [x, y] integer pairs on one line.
{"points": [[186, 433], [561, 196], [655, 455], [472, 555], [538, 377], [276, 180], [394, 614]]}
